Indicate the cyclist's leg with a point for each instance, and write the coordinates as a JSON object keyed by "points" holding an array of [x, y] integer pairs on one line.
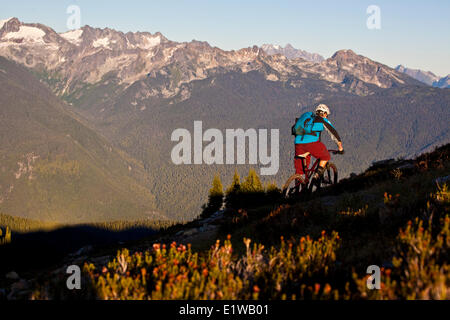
{"points": [[299, 163], [319, 151]]}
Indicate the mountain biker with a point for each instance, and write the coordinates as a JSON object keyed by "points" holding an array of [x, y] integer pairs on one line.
{"points": [[309, 140]]}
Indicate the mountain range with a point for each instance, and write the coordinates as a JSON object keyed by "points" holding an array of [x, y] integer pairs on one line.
{"points": [[134, 89], [291, 53], [426, 77]]}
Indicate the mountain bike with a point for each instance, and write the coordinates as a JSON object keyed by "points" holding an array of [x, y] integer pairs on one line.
{"points": [[298, 184]]}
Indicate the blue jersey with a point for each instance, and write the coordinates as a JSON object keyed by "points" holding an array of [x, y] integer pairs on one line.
{"points": [[315, 129]]}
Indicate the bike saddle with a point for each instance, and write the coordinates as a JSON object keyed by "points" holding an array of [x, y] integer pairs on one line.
{"points": [[301, 156]]}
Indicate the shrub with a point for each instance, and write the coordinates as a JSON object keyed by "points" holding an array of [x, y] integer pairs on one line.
{"points": [[420, 266], [5, 238], [175, 272]]}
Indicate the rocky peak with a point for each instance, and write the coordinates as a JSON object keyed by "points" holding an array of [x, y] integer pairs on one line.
{"points": [[291, 53], [443, 82], [88, 54], [346, 56], [10, 25], [423, 76]]}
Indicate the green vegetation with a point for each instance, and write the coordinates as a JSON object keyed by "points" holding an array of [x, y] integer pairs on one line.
{"points": [[215, 198], [176, 272], [23, 225], [6, 237], [232, 191], [54, 168], [317, 248], [250, 192], [252, 183], [399, 126], [420, 265]]}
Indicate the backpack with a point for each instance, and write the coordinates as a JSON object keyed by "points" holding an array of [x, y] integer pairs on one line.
{"points": [[306, 124]]}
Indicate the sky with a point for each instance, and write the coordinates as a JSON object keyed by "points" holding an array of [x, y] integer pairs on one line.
{"points": [[412, 33]]}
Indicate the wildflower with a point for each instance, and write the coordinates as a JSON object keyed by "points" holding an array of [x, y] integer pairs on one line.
{"points": [[327, 289], [316, 288], [323, 233], [256, 288], [228, 236], [156, 246], [205, 272]]}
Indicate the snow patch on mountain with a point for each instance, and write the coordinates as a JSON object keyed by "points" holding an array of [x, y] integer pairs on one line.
{"points": [[150, 42], [29, 34], [73, 36], [103, 42], [291, 53]]}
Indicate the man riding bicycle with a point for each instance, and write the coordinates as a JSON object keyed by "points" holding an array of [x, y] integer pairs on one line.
{"points": [[307, 130]]}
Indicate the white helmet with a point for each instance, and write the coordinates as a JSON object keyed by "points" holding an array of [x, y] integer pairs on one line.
{"points": [[322, 107]]}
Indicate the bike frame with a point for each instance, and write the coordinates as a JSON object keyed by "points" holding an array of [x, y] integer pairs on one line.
{"points": [[310, 171]]}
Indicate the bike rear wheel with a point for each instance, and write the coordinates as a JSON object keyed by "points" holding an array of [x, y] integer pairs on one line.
{"points": [[330, 177], [290, 189]]}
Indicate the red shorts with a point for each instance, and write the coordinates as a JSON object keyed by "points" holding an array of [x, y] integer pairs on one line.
{"points": [[316, 149]]}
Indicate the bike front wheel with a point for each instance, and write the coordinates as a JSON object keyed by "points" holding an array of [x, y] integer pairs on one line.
{"points": [[293, 186], [330, 177]]}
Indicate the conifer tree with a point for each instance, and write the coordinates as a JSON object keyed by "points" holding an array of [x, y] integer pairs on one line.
{"points": [[217, 188], [236, 184], [215, 198], [252, 183], [232, 193], [272, 187]]}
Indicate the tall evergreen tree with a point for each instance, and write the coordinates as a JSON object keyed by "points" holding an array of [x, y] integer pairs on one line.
{"points": [[252, 183], [217, 188], [235, 184], [232, 192], [215, 198]]}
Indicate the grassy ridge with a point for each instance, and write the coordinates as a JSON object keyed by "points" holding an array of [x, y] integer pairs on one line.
{"points": [[317, 248]]}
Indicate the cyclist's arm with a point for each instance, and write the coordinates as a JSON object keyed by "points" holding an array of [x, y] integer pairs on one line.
{"points": [[331, 130]]}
